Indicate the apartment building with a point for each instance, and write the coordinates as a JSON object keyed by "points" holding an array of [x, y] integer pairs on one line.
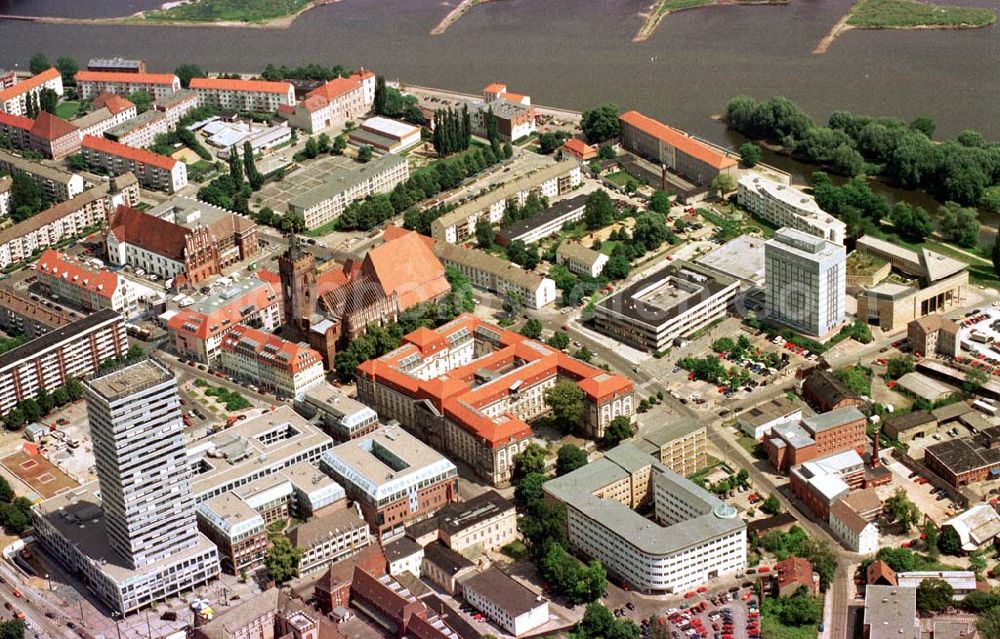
{"points": [[254, 96], [693, 538], [32, 318], [805, 279], [154, 171], [75, 350], [116, 65], [13, 99], [5, 183], [783, 205], [932, 335], [673, 148], [498, 275], [329, 537], [141, 131], [107, 111], [545, 223], [469, 388], [176, 105], [580, 259], [58, 185], [333, 103], [351, 182], [666, 307], [395, 478], [48, 135], [459, 225], [85, 287], [64, 220], [285, 368], [90, 84], [197, 331]]}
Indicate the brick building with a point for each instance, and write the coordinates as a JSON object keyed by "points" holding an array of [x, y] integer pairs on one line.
{"points": [[825, 392], [818, 436]]}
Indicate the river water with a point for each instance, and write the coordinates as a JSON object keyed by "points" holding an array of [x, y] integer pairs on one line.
{"points": [[577, 53]]}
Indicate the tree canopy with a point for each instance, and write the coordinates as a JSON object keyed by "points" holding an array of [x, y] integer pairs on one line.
{"points": [[569, 458]]}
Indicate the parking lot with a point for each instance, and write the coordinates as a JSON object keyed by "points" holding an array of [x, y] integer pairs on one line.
{"points": [[731, 614]]}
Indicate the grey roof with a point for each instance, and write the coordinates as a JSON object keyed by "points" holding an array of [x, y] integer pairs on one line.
{"points": [[951, 411], [768, 411], [142, 120], [673, 430], [401, 548], [832, 419], [504, 591], [322, 527], [488, 263], [546, 216], [445, 558], [25, 352], [462, 515], [714, 518], [346, 178], [174, 98], [36, 168], [629, 457], [891, 612], [573, 250]]}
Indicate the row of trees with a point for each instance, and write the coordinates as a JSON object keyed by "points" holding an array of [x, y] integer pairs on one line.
{"points": [[958, 170], [66, 66], [391, 103], [26, 197], [452, 131], [32, 410], [233, 189]]}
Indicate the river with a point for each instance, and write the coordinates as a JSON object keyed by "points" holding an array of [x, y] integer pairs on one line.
{"points": [[577, 53]]}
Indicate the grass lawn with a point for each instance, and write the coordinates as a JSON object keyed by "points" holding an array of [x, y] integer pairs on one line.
{"points": [[901, 14], [608, 246], [229, 10], [773, 629], [320, 231], [680, 5], [621, 178], [746, 442], [67, 110]]}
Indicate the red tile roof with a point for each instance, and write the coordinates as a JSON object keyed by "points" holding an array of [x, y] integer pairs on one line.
{"points": [[262, 86], [149, 232], [101, 282], [221, 319], [335, 88], [49, 127], [495, 87], [142, 156], [794, 570], [27, 85], [580, 149], [112, 102], [678, 139], [407, 266], [128, 78], [16, 121], [271, 350]]}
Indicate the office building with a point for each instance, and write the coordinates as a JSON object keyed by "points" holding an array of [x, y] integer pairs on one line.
{"points": [[270, 362], [329, 537], [692, 538], [498, 275], [332, 104], [342, 417], [577, 149], [350, 182], [740, 258], [483, 524], [234, 235], [469, 388], [154, 171], [680, 444], [90, 84], [782, 206], [837, 431], [805, 280], [14, 98], [821, 482], [656, 312], [254, 96], [513, 606], [273, 614], [458, 225], [394, 608], [76, 350], [673, 148], [117, 64], [84, 286], [56, 184], [396, 479], [197, 331], [140, 542]]}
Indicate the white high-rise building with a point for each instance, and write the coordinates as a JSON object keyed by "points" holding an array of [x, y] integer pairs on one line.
{"points": [[805, 277], [133, 533]]}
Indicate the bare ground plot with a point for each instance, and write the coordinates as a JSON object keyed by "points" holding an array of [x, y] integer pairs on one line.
{"points": [[39, 474]]}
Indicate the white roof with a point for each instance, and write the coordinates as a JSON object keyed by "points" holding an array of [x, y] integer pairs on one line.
{"points": [[976, 525], [390, 127], [958, 579]]}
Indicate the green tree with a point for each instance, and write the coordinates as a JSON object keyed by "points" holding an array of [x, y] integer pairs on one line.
{"points": [[282, 559], [67, 69], [898, 508], [235, 168], [977, 563], [25, 192], [617, 431], [931, 539], [254, 177], [528, 491], [339, 144], [14, 419], [599, 623], [660, 202], [532, 329], [559, 340], [569, 458], [186, 72], [949, 542], [924, 125], [934, 595], [896, 367], [771, 505], [961, 223], [529, 461], [598, 210], [32, 411], [723, 183], [379, 104], [749, 154], [77, 162], [606, 152], [565, 400], [364, 153], [6, 492], [974, 380], [616, 268], [512, 302], [13, 629], [988, 623], [38, 63], [601, 123], [485, 235], [141, 100]]}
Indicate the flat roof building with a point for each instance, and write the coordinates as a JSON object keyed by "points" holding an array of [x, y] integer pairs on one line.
{"points": [[783, 205], [693, 538], [741, 259], [384, 134], [343, 418], [805, 281], [891, 613], [671, 304]]}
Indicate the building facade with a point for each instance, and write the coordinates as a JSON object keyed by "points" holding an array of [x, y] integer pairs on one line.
{"points": [[333, 103], [13, 99], [154, 171], [58, 185], [498, 275], [783, 205], [90, 84], [85, 287], [286, 368], [673, 148], [254, 96], [805, 281]]}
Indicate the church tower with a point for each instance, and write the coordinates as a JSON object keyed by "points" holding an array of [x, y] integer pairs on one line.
{"points": [[297, 270]]}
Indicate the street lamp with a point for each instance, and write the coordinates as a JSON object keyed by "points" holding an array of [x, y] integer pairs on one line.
{"points": [[48, 580], [117, 616]]}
